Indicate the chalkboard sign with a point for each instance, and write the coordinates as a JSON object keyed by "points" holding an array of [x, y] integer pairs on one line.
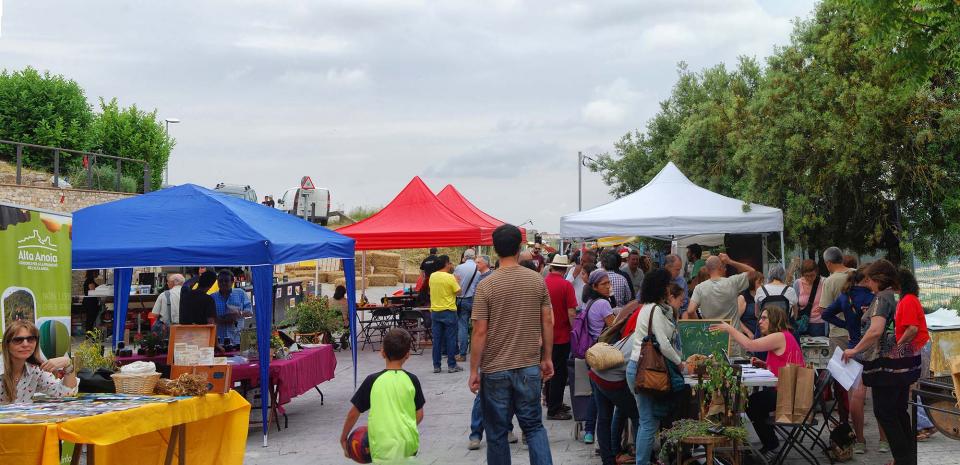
{"points": [[696, 338]]}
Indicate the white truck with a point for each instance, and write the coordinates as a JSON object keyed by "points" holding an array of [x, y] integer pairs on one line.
{"points": [[307, 202]]}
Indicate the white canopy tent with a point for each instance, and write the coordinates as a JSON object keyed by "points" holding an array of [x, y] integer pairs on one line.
{"points": [[670, 207]]}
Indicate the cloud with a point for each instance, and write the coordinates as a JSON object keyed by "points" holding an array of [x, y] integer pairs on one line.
{"points": [[295, 44], [603, 112], [340, 77], [611, 105], [497, 162]]}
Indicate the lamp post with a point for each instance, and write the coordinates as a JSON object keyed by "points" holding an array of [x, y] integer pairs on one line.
{"points": [[166, 166], [581, 162]]}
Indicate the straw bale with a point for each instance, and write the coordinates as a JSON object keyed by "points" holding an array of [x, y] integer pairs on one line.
{"points": [[383, 259], [332, 276], [382, 280], [386, 270], [409, 277], [343, 282]]}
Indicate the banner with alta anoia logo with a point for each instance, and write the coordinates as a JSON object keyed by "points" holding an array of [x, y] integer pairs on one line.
{"points": [[35, 273]]}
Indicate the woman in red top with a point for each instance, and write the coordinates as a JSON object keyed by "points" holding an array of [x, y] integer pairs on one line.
{"points": [[910, 321], [781, 348]]}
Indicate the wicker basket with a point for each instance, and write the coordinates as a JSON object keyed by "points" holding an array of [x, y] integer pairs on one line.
{"points": [[135, 383]]}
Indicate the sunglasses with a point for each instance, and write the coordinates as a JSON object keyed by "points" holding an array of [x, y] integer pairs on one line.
{"points": [[16, 340]]}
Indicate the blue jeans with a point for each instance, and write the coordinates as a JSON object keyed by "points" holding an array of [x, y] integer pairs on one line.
{"points": [[504, 394], [476, 420], [608, 433], [464, 309], [444, 331], [649, 421]]}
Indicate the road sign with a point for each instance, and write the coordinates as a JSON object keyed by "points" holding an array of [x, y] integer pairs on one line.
{"points": [[306, 183]]}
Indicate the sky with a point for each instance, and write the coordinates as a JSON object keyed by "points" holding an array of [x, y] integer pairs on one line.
{"points": [[495, 97]]}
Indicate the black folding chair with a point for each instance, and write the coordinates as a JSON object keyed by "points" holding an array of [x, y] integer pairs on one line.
{"points": [[414, 323], [381, 320], [793, 434]]}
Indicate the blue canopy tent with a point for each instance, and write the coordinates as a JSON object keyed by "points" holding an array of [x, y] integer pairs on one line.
{"points": [[189, 225]]}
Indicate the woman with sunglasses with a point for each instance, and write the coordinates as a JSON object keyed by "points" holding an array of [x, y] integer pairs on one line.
{"points": [[24, 372]]}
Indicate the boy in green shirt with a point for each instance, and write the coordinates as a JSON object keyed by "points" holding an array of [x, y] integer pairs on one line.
{"points": [[395, 401]]}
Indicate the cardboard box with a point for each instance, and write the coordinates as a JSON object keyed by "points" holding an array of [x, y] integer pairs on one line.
{"points": [[219, 378]]}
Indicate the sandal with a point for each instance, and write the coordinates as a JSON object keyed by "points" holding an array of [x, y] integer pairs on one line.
{"points": [[925, 434], [624, 459]]}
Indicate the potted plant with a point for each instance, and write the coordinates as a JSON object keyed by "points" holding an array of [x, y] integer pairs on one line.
{"points": [[276, 346], [149, 343], [671, 437], [316, 319], [93, 363]]}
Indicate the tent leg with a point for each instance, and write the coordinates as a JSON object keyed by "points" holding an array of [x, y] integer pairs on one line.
{"points": [[316, 278], [363, 273], [783, 255]]}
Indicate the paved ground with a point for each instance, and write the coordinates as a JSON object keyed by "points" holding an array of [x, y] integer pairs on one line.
{"points": [[312, 437]]}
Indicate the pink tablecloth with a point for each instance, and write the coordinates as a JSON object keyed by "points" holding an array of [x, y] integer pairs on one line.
{"points": [[294, 376]]}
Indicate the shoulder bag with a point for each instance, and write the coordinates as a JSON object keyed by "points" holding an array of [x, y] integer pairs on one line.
{"points": [[652, 375]]}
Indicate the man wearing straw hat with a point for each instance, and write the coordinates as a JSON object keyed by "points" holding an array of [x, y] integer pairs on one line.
{"points": [[563, 298]]}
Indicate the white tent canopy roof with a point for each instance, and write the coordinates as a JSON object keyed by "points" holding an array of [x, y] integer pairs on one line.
{"points": [[671, 205]]}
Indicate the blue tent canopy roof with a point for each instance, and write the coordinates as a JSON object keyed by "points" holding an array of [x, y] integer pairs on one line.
{"points": [[190, 225]]}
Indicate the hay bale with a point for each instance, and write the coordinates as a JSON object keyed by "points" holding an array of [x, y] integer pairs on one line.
{"points": [[382, 280], [383, 259], [333, 276], [343, 282], [386, 270], [410, 278]]}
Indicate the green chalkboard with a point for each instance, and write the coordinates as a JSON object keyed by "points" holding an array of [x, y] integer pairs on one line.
{"points": [[695, 338]]}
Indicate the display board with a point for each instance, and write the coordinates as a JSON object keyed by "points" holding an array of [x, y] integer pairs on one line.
{"points": [[35, 273], [696, 338]]}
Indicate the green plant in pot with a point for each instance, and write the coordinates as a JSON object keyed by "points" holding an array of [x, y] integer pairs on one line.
{"points": [[93, 363], [315, 315]]}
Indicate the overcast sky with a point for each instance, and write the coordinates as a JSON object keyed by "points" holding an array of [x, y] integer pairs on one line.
{"points": [[494, 97]]}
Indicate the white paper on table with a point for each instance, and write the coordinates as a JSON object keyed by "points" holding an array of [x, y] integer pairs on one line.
{"points": [[756, 373], [845, 373]]}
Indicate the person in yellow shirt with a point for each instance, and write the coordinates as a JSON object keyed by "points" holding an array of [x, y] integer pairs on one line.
{"points": [[443, 314]]}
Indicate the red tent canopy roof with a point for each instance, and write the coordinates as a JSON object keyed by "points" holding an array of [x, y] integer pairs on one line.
{"points": [[414, 219], [455, 201]]}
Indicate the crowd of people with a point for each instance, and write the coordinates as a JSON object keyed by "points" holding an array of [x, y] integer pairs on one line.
{"points": [[524, 319]]}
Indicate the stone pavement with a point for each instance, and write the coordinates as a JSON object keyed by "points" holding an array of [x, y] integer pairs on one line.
{"points": [[312, 437]]}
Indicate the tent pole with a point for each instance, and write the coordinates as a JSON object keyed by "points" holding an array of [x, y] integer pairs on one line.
{"points": [[363, 273], [783, 255], [316, 278]]}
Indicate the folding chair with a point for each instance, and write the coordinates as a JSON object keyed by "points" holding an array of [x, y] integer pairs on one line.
{"points": [[793, 434], [414, 323], [381, 320]]}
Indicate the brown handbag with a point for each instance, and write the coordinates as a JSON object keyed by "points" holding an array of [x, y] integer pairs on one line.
{"points": [[652, 375]]}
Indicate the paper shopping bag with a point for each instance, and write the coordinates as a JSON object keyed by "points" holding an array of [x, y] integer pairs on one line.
{"points": [[786, 383], [803, 393]]}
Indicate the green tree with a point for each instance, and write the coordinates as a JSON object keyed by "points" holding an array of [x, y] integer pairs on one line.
{"points": [[132, 133], [832, 131], [697, 128], [43, 109]]}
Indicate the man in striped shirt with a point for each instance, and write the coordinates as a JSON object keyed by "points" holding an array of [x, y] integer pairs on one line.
{"points": [[511, 350]]}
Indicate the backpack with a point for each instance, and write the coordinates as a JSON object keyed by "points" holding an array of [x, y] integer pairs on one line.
{"points": [[580, 339], [778, 300]]}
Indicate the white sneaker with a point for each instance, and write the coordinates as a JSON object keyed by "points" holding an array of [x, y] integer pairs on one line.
{"points": [[884, 447], [859, 448]]}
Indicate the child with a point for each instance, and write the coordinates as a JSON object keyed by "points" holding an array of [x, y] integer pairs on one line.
{"points": [[395, 401]]}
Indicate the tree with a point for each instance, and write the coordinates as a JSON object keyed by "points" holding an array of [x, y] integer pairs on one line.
{"points": [[132, 133], [697, 128], [43, 109], [857, 154]]}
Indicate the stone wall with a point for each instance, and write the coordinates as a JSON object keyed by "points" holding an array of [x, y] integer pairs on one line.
{"points": [[49, 198]]}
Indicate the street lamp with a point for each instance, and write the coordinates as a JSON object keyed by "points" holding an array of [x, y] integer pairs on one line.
{"points": [[581, 162], [166, 167]]}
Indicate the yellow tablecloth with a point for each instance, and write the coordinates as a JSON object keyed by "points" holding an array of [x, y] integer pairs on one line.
{"points": [[216, 434]]}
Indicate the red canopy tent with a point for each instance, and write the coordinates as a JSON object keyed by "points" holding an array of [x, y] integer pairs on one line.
{"points": [[414, 219], [465, 209]]}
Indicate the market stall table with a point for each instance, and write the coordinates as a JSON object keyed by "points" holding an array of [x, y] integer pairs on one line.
{"points": [[301, 372], [217, 434]]}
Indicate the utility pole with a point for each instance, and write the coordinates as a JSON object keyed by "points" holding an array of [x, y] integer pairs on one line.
{"points": [[579, 181]]}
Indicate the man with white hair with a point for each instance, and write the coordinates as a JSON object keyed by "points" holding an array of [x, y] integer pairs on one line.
{"points": [[716, 298], [832, 286], [167, 306], [467, 275]]}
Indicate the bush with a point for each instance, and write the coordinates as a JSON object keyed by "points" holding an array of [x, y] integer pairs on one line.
{"points": [[104, 178]]}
